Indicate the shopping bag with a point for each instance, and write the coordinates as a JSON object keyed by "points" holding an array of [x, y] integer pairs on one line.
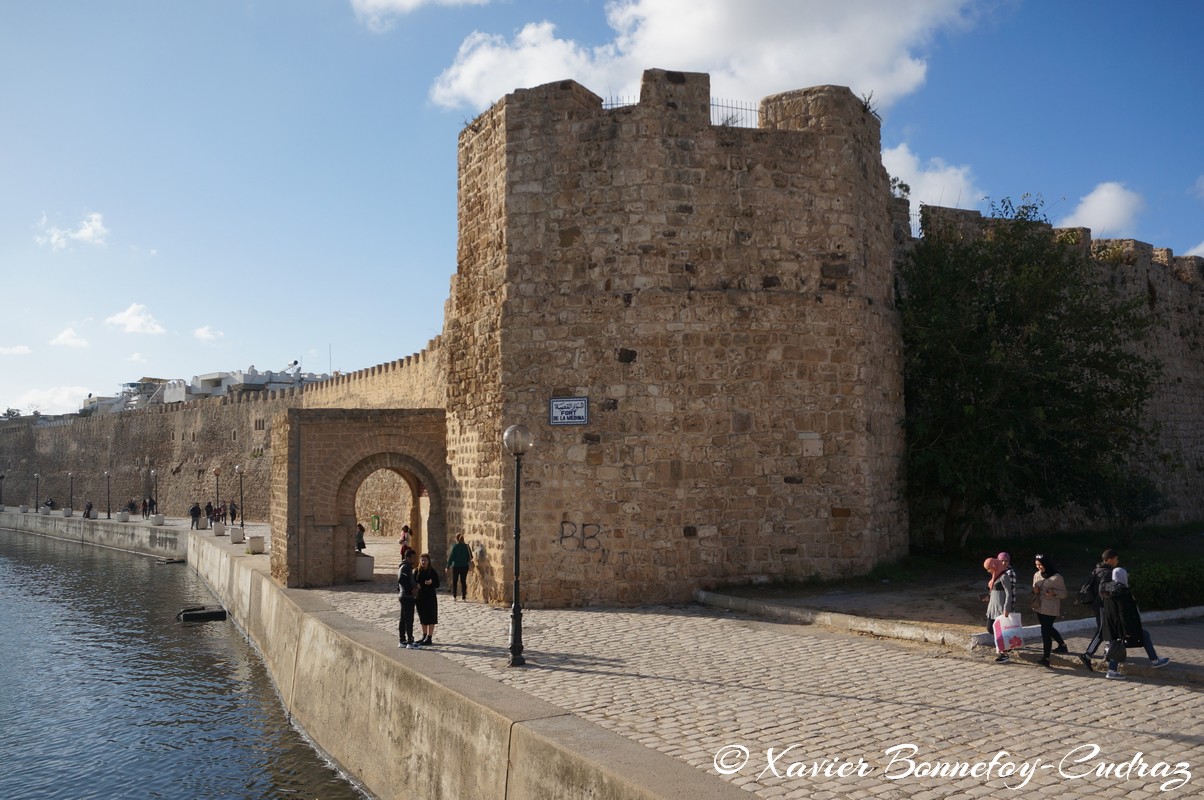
{"points": [[1007, 633]]}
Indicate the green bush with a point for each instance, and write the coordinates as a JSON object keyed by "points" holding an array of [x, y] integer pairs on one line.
{"points": [[1164, 586]]}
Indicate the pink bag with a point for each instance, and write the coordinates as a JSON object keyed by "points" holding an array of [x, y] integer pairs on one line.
{"points": [[1007, 633]]}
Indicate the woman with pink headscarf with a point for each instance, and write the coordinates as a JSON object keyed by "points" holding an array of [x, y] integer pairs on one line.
{"points": [[1001, 596]]}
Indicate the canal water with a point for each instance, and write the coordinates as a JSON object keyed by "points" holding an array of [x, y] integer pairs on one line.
{"points": [[103, 694]]}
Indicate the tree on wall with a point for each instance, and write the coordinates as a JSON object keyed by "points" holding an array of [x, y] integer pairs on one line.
{"points": [[1022, 389]]}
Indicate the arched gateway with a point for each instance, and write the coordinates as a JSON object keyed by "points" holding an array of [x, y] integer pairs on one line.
{"points": [[319, 459]]}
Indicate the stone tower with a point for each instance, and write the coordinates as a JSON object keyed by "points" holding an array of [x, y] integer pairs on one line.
{"points": [[723, 298]]}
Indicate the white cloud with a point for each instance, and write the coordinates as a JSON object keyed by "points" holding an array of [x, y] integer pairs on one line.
{"points": [[136, 319], [379, 15], [91, 230], [137, 358], [1198, 188], [1109, 210], [55, 400], [69, 338], [207, 334], [933, 182], [751, 49], [1198, 250], [16, 350]]}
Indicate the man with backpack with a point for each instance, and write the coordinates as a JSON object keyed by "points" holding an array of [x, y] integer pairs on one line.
{"points": [[1089, 596], [1120, 618]]}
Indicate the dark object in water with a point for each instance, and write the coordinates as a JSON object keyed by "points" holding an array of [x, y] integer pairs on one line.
{"points": [[172, 561], [201, 614]]}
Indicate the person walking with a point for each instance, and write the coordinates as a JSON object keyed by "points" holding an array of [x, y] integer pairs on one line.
{"points": [[428, 603], [1122, 626], [1090, 592], [407, 596], [458, 561], [1049, 589], [1001, 599], [359, 537], [195, 513]]}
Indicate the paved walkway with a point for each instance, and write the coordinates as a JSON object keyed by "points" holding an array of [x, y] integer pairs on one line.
{"points": [[804, 711]]}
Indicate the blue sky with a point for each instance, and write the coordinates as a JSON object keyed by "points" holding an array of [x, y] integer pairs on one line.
{"points": [[191, 187]]}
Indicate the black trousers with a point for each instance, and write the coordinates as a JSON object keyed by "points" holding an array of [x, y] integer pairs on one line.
{"points": [[1049, 633], [460, 576], [1098, 638], [405, 626]]}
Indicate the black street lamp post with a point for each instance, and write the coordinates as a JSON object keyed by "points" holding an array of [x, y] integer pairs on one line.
{"points": [[242, 516], [108, 498], [71, 491], [517, 440], [37, 491], [217, 480], [1, 491], [155, 490]]}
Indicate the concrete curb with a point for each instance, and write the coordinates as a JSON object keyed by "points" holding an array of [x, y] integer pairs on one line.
{"points": [[984, 639], [911, 631], [891, 629]]}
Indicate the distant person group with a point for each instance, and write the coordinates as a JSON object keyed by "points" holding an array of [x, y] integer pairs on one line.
{"points": [[219, 513], [1118, 620]]}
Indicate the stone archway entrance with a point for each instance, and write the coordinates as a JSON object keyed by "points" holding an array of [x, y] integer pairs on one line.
{"points": [[391, 498], [320, 457]]}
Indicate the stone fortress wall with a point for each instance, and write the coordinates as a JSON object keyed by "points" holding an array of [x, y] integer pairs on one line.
{"points": [[724, 299], [1173, 288]]}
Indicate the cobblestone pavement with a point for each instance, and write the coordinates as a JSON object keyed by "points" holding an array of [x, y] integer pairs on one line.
{"points": [[789, 711]]}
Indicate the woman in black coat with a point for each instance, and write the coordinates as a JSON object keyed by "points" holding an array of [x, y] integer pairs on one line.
{"points": [[428, 604]]}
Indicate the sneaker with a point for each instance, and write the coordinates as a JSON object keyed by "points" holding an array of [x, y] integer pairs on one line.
{"points": [[401, 644], [1062, 648], [1114, 675], [1086, 659], [1002, 658], [1160, 662], [416, 645]]}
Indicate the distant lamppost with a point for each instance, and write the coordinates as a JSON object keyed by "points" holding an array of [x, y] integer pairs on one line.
{"points": [[517, 440], [1, 491], [108, 497], [37, 491], [71, 491], [155, 490], [242, 509], [217, 475]]}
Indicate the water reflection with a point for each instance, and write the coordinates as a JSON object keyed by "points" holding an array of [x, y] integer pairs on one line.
{"points": [[104, 694]]}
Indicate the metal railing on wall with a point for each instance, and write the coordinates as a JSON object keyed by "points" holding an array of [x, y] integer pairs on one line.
{"points": [[729, 113]]}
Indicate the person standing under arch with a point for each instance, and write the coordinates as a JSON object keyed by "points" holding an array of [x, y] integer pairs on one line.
{"points": [[459, 560]]}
